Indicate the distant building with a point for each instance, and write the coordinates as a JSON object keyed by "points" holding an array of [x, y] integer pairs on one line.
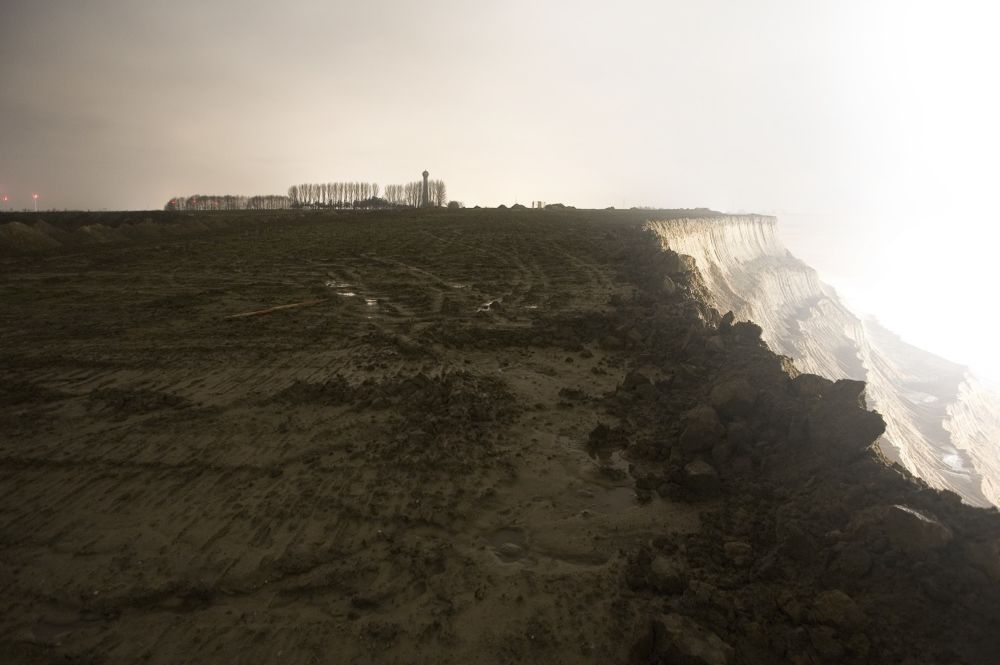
{"points": [[425, 194]]}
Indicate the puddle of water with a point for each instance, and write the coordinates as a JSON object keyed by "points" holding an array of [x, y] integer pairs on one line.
{"points": [[371, 302], [347, 294], [333, 284]]}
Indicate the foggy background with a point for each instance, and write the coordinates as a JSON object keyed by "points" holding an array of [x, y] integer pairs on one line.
{"points": [[868, 127]]}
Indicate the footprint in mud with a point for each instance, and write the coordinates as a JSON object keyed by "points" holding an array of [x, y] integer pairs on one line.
{"points": [[508, 544]]}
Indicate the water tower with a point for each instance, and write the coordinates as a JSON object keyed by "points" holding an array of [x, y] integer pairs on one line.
{"points": [[425, 198]]}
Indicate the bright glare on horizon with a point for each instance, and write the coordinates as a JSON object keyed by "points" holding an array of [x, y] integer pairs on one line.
{"points": [[922, 259], [874, 121]]}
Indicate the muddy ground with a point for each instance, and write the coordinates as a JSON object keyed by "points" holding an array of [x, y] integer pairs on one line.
{"points": [[450, 437]]}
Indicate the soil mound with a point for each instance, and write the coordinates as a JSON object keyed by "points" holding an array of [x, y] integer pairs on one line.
{"points": [[19, 238], [97, 234]]}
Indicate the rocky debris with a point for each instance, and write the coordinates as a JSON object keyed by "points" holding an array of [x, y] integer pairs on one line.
{"points": [[675, 638], [810, 385], [739, 435], [639, 384], [852, 561], [702, 429], [721, 453], [824, 641], [668, 575], [675, 263], [836, 608], [701, 479], [836, 427], [849, 393], [573, 394], [734, 398], [985, 556], [820, 551], [747, 331], [739, 552], [669, 286], [908, 529], [604, 440]]}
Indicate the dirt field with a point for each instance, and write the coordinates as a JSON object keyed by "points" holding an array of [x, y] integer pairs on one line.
{"points": [[392, 471], [322, 438]]}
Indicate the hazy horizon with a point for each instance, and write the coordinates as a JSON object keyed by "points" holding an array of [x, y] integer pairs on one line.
{"points": [[877, 119]]}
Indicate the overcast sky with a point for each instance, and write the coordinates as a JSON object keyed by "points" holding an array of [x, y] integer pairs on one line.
{"points": [[876, 118]]}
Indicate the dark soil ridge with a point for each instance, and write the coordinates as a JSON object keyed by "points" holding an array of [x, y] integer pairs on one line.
{"points": [[54, 232]]}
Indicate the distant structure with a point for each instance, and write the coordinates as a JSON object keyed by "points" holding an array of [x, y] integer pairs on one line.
{"points": [[538, 204], [425, 195]]}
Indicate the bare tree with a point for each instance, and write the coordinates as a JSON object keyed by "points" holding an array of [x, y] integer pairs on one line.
{"points": [[439, 193], [357, 194]]}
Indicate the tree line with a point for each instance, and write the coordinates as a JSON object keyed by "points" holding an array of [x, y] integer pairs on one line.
{"points": [[228, 202], [355, 195], [366, 195], [333, 194]]}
